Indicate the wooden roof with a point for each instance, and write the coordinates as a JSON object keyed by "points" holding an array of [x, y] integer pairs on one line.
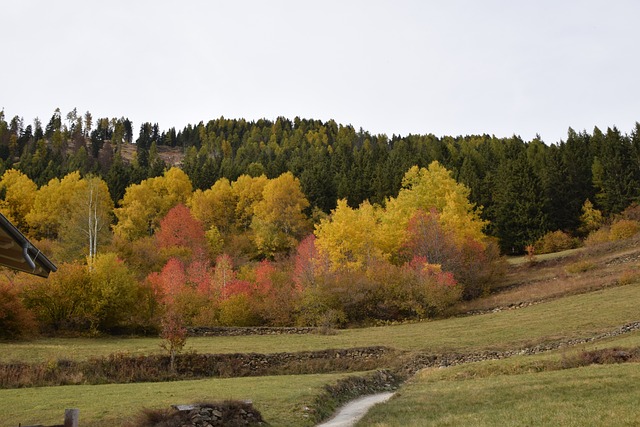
{"points": [[18, 253]]}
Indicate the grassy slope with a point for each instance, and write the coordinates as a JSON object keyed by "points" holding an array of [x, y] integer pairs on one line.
{"points": [[113, 404], [595, 395], [582, 313], [569, 317], [517, 391]]}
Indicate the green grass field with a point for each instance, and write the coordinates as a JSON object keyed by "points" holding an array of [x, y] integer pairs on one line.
{"points": [[281, 400], [594, 395], [516, 391]]}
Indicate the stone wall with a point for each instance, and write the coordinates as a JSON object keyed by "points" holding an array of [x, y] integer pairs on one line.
{"points": [[421, 361], [305, 362], [126, 368], [220, 331]]}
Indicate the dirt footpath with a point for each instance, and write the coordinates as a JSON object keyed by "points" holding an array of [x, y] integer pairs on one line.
{"points": [[351, 413]]}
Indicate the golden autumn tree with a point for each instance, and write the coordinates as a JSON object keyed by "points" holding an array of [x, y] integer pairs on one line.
{"points": [[431, 189], [591, 218], [279, 220], [87, 224], [248, 191], [17, 196], [51, 206], [145, 204], [433, 218], [215, 206], [349, 238]]}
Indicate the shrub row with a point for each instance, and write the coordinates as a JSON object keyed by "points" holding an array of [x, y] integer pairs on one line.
{"points": [[124, 368], [601, 357]]}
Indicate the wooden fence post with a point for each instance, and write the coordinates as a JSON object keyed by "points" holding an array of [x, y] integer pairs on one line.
{"points": [[71, 417]]}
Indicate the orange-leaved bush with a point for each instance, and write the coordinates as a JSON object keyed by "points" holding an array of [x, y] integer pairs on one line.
{"points": [[383, 292], [16, 321], [623, 229], [276, 295], [305, 262], [170, 281], [555, 241], [180, 229]]}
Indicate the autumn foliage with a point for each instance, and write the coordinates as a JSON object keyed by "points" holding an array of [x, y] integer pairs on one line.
{"points": [[289, 222], [102, 299], [431, 219], [244, 253], [15, 320], [180, 231]]}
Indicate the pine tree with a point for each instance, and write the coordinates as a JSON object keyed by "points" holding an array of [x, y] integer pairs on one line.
{"points": [[615, 173], [517, 214]]}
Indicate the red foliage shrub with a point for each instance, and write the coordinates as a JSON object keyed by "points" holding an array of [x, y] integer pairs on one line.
{"points": [[474, 264], [16, 321], [305, 262], [174, 335], [180, 229], [385, 292], [264, 275], [199, 277], [170, 281], [236, 287], [428, 239], [276, 294]]}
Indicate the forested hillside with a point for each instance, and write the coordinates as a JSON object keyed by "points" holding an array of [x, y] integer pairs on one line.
{"points": [[293, 221], [526, 188]]}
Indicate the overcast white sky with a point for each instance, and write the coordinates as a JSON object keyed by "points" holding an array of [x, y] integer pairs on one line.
{"points": [[395, 67]]}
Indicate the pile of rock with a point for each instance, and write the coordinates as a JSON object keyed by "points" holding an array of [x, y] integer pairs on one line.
{"points": [[229, 413]]}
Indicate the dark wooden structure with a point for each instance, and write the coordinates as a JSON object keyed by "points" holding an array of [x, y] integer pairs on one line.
{"points": [[18, 253]]}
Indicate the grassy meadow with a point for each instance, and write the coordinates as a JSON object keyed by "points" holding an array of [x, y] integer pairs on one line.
{"points": [[573, 295], [597, 395], [281, 399]]}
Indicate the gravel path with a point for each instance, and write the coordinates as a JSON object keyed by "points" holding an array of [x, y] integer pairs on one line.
{"points": [[351, 413]]}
